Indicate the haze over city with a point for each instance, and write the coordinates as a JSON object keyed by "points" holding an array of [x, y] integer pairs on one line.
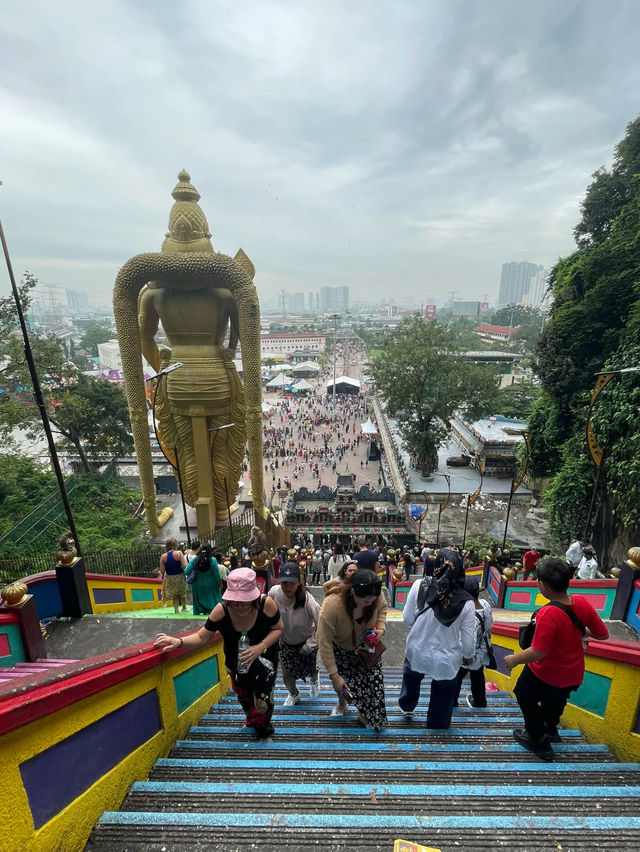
{"points": [[403, 150]]}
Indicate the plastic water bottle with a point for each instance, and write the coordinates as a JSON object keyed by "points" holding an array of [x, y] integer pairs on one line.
{"points": [[243, 644]]}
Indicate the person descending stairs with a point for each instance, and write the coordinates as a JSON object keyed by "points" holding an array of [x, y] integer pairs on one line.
{"points": [[327, 784]]}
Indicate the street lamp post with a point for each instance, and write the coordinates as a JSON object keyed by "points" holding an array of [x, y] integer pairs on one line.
{"points": [[443, 505], [335, 318], [37, 392], [184, 505], [516, 482], [595, 450]]}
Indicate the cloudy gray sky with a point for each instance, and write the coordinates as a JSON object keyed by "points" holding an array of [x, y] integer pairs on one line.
{"points": [[400, 148]]}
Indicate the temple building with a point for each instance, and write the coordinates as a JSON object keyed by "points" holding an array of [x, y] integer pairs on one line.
{"points": [[493, 440]]}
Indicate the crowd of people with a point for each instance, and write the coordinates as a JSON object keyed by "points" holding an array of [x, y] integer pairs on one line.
{"points": [[449, 636], [306, 439]]}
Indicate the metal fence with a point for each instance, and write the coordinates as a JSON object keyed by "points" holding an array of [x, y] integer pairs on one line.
{"points": [[130, 562], [235, 534], [50, 513]]}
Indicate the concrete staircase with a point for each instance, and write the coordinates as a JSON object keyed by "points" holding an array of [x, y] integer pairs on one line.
{"points": [[325, 783]]}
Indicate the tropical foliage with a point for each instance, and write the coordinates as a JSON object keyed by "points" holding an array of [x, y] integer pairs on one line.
{"points": [[423, 378], [594, 326]]}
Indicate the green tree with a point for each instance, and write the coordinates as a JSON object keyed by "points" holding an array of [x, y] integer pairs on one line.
{"points": [[91, 416], [422, 376], [102, 508], [464, 329], [594, 324], [94, 419], [517, 400], [528, 323], [24, 483], [94, 335], [8, 313]]}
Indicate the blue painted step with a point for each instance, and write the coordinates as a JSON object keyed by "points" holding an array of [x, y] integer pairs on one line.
{"points": [[329, 784]]}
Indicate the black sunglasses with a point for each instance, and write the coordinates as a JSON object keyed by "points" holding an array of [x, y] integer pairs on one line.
{"points": [[365, 590]]}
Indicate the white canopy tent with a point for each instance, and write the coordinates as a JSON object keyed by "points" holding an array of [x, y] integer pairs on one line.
{"points": [[280, 381], [306, 366], [369, 428], [279, 368], [344, 384], [302, 385]]}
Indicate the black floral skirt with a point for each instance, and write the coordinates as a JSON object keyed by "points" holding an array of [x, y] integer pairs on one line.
{"points": [[299, 666], [366, 685]]}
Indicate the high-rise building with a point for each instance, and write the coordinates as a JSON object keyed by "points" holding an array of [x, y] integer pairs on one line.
{"points": [[78, 301], [334, 299], [521, 284], [296, 303]]}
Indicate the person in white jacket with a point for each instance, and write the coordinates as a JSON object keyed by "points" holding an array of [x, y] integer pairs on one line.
{"points": [[588, 567], [442, 638]]}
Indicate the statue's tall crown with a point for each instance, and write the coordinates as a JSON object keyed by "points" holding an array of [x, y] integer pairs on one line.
{"points": [[188, 227]]}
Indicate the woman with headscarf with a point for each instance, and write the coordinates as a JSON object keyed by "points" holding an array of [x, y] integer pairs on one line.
{"points": [[441, 638], [206, 587]]}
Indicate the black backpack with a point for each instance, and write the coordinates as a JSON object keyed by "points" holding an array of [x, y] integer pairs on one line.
{"points": [[525, 633]]}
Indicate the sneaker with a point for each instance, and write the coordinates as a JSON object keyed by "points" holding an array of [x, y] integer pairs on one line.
{"points": [[406, 713], [541, 747], [290, 700], [314, 688], [338, 710], [470, 701]]}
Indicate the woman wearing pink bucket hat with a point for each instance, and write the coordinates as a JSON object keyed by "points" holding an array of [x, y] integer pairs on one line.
{"points": [[243, 610]]}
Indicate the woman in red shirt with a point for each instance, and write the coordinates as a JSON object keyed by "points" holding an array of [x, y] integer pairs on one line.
{"points": [[554, 664]]}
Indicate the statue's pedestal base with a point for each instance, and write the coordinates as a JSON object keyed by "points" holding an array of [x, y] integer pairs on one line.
{"points": [[191, 520]]}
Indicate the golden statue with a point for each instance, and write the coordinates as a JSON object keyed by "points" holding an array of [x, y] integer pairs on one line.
{"points": [[206, 302]]}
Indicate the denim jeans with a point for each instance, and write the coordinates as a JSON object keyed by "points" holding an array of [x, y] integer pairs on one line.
{"points": [[441, 701]]}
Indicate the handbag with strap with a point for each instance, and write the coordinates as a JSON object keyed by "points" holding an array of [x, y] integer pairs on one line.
{"points": [[367, 657], [526, 631]]}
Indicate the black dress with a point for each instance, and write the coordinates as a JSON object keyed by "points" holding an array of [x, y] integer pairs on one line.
{"points": [[255, 687]]}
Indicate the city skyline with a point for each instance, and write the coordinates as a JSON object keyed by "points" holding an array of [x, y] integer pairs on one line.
{"points": [[420, 147]]}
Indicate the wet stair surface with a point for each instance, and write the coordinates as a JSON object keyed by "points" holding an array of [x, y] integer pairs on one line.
{"points": [[326, 783]]}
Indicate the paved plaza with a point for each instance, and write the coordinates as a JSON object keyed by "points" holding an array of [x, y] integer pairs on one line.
{"points": [[321, 439]]}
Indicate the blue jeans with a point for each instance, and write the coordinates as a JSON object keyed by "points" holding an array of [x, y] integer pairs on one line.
{"points": [[441, 701]]}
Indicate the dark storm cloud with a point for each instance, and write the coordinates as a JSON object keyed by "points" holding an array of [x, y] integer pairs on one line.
{"points": [[368, 144]]}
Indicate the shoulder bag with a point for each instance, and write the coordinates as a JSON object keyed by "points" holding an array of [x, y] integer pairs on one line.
{"points": [[489, 647], [526, 631]]}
